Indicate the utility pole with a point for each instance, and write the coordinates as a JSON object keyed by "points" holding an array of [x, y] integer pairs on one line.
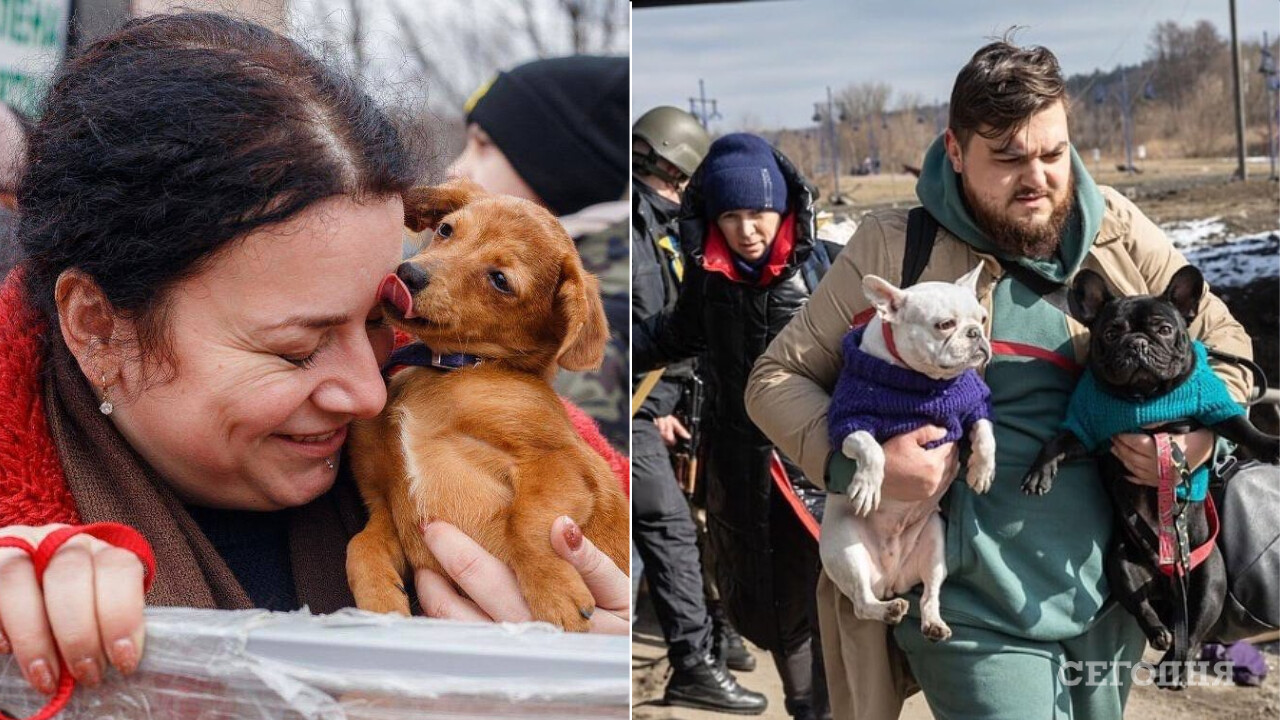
{"points": [[1126, 100], [698, 107], [829, 143], [1272, 95], [1126, 117], [835, 150], [1241, 171]]}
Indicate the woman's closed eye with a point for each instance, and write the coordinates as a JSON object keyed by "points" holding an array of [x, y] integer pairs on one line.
{"points": [[305, 362]]}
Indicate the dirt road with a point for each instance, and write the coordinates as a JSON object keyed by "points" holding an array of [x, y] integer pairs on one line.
{"points": [[1227, 702]]}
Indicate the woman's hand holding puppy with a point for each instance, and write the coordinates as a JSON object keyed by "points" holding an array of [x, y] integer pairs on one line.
{"points": [[490, 587]]}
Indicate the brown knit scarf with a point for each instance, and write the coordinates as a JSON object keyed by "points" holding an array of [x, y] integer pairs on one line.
{"points": [[111, 483]]}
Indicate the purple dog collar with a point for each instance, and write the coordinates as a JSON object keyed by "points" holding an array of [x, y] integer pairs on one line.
{"points": [[419, 355]]}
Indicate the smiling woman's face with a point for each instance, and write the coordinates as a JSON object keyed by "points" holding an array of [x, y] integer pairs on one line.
{"points": [[276, 348]]}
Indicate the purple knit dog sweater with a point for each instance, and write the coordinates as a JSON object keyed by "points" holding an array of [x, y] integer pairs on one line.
{"points": [[886, 400]]}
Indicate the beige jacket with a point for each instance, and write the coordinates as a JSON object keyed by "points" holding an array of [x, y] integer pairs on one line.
{"points": [[789, 389]]}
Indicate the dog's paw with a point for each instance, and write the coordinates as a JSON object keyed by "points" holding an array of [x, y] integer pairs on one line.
{"points": [[1161, 640], [567, 605], [935, 631], [895, 610], [1040, 480], [374, 582], [864, 491], [981, 472], [382, 599]]}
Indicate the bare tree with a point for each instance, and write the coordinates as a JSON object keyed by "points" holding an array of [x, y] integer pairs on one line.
{"points": [[357, 38], [531, 30], [427, 66], [864, 99], [1181, 56], [451, 48]]}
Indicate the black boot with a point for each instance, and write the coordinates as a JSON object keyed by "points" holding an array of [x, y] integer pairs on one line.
{"points": [[707, 685], [727, 643]]}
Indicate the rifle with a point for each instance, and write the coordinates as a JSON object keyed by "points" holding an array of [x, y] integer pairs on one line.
{"points": [[684, 456]]}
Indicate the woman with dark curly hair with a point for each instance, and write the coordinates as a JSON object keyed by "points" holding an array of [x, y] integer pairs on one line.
{"points": [[192, 328]]}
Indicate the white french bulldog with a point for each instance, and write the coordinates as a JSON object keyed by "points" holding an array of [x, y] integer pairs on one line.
{"points": [[913, 364]]}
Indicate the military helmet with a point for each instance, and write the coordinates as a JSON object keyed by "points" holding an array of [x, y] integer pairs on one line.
{"points": [[675, 136]]}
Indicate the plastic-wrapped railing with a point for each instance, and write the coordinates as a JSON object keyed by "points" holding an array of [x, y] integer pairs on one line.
{"points": [[218, 665]]}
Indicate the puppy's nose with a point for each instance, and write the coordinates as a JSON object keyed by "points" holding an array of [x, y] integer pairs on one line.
{"points": [[974, 333], [414, 277]]}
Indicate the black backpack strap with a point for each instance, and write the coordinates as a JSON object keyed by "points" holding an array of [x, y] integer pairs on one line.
{"points": [[922, 229], [1056, 294], [1259, 377]]}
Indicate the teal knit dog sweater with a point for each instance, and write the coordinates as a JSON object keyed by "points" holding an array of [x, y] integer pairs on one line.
{"points": [[1094, 416]]}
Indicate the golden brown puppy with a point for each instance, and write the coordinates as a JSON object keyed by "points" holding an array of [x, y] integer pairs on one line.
{"points": [[488, 448]]}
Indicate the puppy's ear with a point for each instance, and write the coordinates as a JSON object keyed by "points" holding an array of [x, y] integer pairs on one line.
{"points": [[884, 296], [579, 307], [425, 205], [970, 279], [1185, 290], [1089, 294]]}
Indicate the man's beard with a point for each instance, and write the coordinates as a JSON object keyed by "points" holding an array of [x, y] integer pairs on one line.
{"points": [[1015, 238]]}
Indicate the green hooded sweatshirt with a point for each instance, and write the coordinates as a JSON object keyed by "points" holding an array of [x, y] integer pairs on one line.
{"points": [[1027, 566]]}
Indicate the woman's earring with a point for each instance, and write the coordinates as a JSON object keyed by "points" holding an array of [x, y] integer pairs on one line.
{"points": [[106, 407]]}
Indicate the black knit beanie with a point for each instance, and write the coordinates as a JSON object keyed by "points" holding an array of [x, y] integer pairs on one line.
{"points": [[563, 124]]}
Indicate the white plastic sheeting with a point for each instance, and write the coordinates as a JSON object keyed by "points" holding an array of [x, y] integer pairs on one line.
{"points": [[218, 665]]}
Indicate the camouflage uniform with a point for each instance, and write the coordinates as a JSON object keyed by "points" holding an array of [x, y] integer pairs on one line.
{"points": [[604, 393]]}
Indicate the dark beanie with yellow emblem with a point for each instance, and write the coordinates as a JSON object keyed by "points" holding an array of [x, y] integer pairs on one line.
{"points": [[563, 125]]}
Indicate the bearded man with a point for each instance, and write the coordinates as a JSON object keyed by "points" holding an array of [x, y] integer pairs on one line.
{"points": [[1035, 631]]}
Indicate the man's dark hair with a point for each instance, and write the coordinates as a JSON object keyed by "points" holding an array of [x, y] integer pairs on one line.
{"points": [[169, 140], [1001, 87]]}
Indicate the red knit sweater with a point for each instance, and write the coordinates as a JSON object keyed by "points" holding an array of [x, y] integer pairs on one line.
{"points": [[33, 490]]}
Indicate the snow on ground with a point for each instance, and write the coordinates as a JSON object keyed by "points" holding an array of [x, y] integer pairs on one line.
{"points": [[1225, 261], [1238, 261], [838, 232], [1187, 234]]}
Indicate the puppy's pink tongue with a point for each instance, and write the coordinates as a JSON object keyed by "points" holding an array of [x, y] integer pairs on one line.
{"points": [[394, 291]]}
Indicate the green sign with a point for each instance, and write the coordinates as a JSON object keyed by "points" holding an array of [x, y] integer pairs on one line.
{"points": [[33, 37]]}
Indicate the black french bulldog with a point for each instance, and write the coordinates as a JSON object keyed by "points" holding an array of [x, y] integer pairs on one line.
{"points": [[1140, 353]]}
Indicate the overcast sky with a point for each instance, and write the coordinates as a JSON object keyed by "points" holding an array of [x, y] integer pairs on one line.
{"points": [[772, 60]]}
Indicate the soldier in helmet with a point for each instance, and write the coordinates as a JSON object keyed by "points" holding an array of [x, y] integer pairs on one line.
{"points": [[667, 145]]}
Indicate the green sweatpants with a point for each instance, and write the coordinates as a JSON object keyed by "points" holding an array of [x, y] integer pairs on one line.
{"points": [[984, 675]]}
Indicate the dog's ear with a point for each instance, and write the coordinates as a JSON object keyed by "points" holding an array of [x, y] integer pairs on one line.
{"points": [[887, 298], [1185, 290], [970, 279], [1089, 294], [579, 307], [425, 205]]}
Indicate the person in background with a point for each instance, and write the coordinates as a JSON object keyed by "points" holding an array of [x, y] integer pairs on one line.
{"points": [[747, 228], [555, 132], [667, 146]]}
